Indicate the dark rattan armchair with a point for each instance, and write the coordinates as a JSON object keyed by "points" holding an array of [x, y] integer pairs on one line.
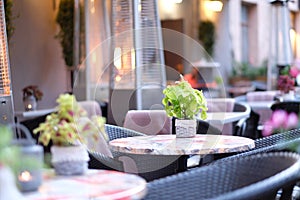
{"points": [[285, 141], [101, 161], [258, 176], [149, 167]]}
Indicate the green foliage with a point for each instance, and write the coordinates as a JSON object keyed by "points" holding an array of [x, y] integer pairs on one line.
{"points": [[66, 126], [246, 70], [65, 19], [8, 4], [9, 155], [206, 35], [183, 101]]}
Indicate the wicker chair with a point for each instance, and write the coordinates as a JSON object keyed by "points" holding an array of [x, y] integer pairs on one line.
{"points": [[149, 122], [253, 177], [149, 167], [278, 142], [101, 161]]}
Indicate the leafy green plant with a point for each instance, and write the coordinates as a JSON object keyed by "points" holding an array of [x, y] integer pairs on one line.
{"points": [[246, 70], [8, 4], [8, 154], [65, 19], [66, 127], [184, 102], [206, 35]]}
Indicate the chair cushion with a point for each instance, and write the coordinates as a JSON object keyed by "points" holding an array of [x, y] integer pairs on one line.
{"points": [[220, 105], [91, 107], [150, 122], [264, 114]]}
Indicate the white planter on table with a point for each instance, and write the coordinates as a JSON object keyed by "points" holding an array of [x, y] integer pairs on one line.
{"points": [[69, 160], [186, 128]]}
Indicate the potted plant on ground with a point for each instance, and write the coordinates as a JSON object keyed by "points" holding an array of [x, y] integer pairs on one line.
{"points": [[70, 130], [206, 35], [184, 103], [31, 94]]}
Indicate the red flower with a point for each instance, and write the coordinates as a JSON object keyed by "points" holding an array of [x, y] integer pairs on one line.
{"points": [[285, 83]]}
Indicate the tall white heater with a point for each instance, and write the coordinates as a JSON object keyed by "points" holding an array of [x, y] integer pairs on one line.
{"points": [[137, 73], [280, 53], [6, 103]]}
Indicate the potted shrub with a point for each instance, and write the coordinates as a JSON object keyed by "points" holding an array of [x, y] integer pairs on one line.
{"points": [[31, 94], [206, 35], [184, 103], [70, 130]]}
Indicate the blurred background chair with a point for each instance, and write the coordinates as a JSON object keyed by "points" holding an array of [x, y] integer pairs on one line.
{"points": [[150, 122], [289, 106], [229, 105], [91, 107], [264, 114], [252, 177]]}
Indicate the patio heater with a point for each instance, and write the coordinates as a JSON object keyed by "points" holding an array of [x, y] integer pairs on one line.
{"points": [[280, 54], [137, 73], [6, 103]]}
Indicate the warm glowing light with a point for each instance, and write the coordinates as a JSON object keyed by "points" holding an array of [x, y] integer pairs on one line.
{"points": [[132, 59], [92, 7], [140, 6], [25, 176], [176, 1], [214, 5], [29, 106], [94, 57], [293, 36], [118, 78], [117, 58]]}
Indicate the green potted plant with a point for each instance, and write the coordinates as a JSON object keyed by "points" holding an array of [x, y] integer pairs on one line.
{"points": [[31, 94], [9, 17], [206, 35], [65, 18], [184, 103], [70, 130]]}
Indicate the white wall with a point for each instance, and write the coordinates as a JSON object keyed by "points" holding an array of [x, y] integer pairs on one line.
{"points": [[35, 55]]}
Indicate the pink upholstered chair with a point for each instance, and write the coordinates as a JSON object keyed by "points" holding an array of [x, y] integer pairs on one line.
{"points": [[222, 105], [91, 107], [150, 122], [262, 96]]}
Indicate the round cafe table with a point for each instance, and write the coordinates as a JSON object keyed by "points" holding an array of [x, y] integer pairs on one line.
{"points": [[95, 184], [183, 147], [171, 145]]}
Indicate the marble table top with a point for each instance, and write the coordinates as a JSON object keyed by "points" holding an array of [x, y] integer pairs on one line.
{"points": [[95, 184], [170, 145]]}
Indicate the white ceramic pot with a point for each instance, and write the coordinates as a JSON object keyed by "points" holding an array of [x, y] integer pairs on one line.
{"points": [[185, 128], [287, 96], [70, 160]]}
